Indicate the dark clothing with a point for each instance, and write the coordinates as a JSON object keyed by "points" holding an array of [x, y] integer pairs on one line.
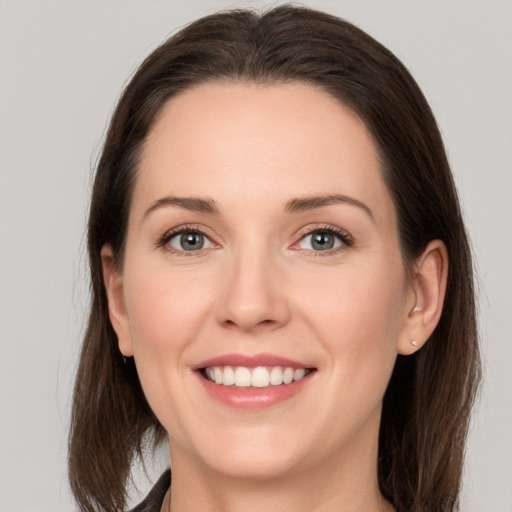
{"points": [[153, 501]]}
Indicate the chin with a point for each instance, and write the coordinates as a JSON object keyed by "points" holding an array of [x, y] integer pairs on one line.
{"points": [[249, 454], [255, 467]]}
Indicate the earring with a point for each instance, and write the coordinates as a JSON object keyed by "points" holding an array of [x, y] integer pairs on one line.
{"points": [[414, 343]]}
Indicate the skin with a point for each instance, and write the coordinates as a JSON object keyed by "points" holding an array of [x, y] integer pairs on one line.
{"points": [[260, 286]]}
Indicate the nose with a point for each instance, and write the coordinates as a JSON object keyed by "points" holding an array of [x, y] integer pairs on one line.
{"points": [[254, 296]]}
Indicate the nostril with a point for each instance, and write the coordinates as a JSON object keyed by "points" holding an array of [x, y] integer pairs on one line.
{"points": [[262, 323]]}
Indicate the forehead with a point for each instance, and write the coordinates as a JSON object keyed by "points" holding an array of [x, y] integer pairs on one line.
{"points": [[259, 143]]}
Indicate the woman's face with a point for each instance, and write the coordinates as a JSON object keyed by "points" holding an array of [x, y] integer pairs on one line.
{"points": [[262, 246]]}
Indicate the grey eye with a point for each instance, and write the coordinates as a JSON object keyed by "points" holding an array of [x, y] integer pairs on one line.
{"points": [[320, 241], [190, 241]]}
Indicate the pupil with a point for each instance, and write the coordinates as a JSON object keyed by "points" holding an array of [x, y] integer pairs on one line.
{"points": [[322, 241], [192, 241]]}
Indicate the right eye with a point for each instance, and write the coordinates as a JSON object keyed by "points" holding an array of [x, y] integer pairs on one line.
{"points": [[321, 240], [189, 241]]}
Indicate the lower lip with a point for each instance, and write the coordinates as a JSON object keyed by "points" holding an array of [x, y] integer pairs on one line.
{"points": [[253, 398]]}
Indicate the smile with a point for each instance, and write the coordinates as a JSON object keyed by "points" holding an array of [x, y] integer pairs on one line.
{"points": [[253, 382], [256, 377]]}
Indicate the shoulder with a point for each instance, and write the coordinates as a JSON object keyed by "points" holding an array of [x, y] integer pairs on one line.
{"points": [[153, 501]]}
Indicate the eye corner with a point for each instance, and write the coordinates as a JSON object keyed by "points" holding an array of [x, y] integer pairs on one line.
{"points": [[172, 241], [330, 240]]}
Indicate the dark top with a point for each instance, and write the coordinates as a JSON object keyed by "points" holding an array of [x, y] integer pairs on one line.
{"points": [[153, 501]]}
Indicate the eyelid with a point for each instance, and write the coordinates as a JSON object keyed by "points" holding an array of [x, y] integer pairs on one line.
{"points": [[344, 236], [346, 239], [163, 240]]}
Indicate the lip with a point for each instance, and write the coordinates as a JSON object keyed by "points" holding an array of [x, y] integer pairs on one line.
{"points": [[252, 398], [250, 361]]}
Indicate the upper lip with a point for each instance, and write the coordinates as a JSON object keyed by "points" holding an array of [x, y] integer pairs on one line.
{"points": [[250, 361]]}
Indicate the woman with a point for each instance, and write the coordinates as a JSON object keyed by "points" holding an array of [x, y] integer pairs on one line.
{"points": [[281, 279]]}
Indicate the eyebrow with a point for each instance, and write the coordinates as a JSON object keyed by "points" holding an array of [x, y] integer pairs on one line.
{"points": [[194, 204], [297, 205], [302, 204]]}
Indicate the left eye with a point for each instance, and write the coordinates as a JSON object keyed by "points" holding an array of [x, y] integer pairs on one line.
{"points": [[190, 241], [320, 240]]}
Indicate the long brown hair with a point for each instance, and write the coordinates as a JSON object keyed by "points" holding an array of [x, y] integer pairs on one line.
{"points": [[428, 401]]}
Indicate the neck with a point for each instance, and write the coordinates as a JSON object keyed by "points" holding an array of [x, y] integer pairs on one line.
{"points": [[351, 486]]}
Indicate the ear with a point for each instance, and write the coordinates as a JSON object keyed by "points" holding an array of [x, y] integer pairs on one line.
{"points": [[426, 298], [113, 280]]}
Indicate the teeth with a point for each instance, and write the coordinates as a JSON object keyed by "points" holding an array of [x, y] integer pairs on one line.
{"points": [[276, 376], [242, 377], [259, 377], [288, 375], [297, 375], [228, 378]]}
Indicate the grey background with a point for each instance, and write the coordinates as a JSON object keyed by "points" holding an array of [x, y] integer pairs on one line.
{"points": [[62, 67]]}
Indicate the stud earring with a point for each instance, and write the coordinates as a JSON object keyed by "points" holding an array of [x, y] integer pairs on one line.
{"points": [[414, 343]]}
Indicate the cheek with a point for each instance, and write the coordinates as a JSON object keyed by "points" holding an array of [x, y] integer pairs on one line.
{"points": [[358, 316], [164, 308], [166, 311]]}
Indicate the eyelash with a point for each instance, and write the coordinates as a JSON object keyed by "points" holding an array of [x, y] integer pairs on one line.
{"points": [[345, 238], [163, 241]]}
